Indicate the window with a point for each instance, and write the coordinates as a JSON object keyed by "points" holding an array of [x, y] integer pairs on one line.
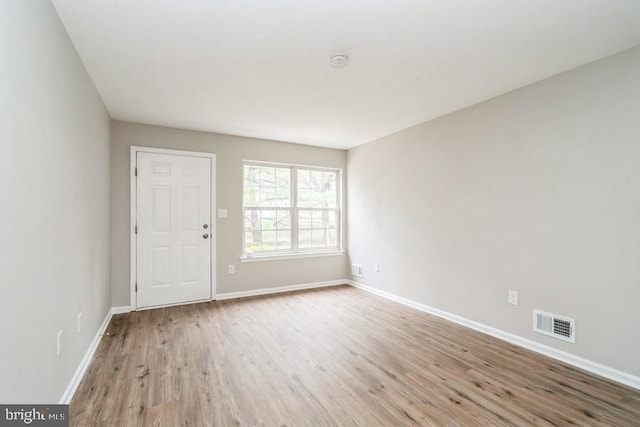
{"points": [[290, 209]]}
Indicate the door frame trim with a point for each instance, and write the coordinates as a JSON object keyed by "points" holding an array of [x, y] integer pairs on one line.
{"points": [[133, 210]]}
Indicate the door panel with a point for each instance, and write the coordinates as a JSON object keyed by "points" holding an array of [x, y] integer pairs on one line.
{"points": [[161, 208], [189, 263], [160, 264], [190, 209], [173, 257]]}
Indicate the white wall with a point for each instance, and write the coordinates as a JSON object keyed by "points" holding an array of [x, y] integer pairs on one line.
{"points": [[230, 152], [54, 204], [537, 191]]}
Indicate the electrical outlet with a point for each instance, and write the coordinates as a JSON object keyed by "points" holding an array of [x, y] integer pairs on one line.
{"points": [[376, 266], [59, 345], [356, 270], [79, 322], [232, 269], [222, 213], [513, 298]]}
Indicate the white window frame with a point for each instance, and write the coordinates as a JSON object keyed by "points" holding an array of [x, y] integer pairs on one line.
{"points": [[294, 251]]}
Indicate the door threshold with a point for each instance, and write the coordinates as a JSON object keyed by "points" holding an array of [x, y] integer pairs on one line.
{"points": [[151, 307]]}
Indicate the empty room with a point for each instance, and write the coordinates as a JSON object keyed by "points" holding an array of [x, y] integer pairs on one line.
{"points": [[320, 213]]}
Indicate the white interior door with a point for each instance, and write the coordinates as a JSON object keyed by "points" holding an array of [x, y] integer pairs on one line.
{"points": [[174, 229]]}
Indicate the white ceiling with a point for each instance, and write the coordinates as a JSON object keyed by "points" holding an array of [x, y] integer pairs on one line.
{"points": [[261, 68]]}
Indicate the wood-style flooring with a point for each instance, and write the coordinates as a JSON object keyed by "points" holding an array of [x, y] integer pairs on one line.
{"points": [[334, 356]]}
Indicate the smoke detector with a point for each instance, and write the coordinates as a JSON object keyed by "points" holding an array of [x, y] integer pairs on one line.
{"points": [[339, 61]]}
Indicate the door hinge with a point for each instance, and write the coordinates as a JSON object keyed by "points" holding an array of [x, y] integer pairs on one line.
{"points": [[135, 171], [135, 229], [136, 286]]}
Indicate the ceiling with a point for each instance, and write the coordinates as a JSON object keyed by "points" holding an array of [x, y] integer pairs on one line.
{"points": [[261, 68]]}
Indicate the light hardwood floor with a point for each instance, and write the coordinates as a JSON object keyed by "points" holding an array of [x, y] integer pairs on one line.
{"points": [[329, 357]]}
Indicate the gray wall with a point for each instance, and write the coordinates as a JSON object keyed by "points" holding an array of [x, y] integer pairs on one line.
{"points": [[537, 191], [230, 152], [54, 204]]}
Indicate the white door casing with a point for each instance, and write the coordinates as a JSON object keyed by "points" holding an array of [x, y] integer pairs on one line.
{"points": [[173, 227]]}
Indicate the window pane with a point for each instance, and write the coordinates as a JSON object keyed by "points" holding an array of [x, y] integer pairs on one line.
{"points": [[319, 238], [304, 219], [332, 238], [253, 233], [284, 239], [304, 239], [251, 185], [317, 189], [304, 188], [267, 229], [332, 220], [317, 229], [249, 243], [251, 220], [267, 186], [268, 240], [283, 220], [317, 219], [268, 220], [283, 186]]}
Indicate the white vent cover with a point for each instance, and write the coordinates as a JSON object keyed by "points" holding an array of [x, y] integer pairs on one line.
{"points": [[560, 327], [356, 270]]}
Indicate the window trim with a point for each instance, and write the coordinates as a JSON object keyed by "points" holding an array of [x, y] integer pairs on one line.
{"points": [[294, 251]]}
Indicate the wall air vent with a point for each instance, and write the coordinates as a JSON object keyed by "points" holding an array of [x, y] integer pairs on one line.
{"points": [[356, 270], [560, 327]]}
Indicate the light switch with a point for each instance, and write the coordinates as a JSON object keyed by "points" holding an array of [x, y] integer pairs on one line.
{"points": [[222, 213]]}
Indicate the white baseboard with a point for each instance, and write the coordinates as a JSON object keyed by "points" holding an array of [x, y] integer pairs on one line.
{"points": [[121, 309], [587, 365], [255, 292], [86, 360]]}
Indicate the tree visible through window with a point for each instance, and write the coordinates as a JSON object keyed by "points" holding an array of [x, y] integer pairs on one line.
{"points": [[290, 209]]}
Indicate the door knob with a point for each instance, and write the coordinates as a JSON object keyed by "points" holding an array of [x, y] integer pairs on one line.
{"points": [[205, 236]]}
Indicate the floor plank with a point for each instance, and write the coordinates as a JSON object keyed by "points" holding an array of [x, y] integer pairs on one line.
{"points": [[334, 356]]}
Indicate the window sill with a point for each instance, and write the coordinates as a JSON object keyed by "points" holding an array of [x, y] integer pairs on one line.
{"points": [[278, 257]]}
